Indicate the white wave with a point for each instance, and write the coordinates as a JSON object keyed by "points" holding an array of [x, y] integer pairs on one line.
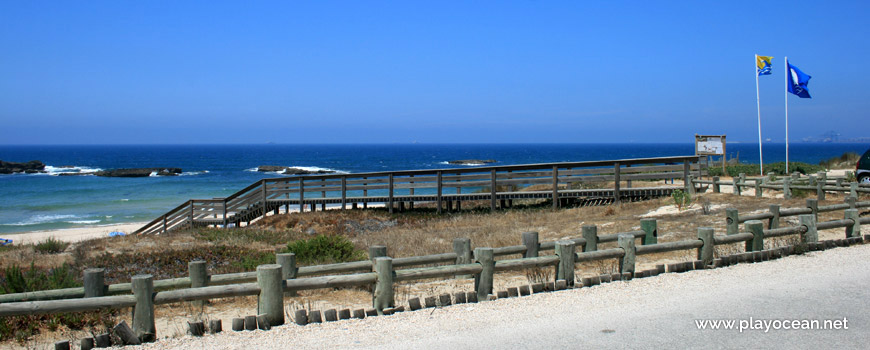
{"points": [[83, 221], [43, 219], [469, 164], [153, 174], [124, 200], [306, 168], [191, 173], [51, 170]]}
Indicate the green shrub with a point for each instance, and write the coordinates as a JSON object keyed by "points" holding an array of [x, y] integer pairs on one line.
{"points": [[51, 246], [681, 198], [776, 168], [325, 249], [845, 160], [18, 280]]}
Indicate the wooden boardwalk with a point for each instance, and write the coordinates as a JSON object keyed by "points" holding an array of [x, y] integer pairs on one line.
{"points": [[397, 190]]}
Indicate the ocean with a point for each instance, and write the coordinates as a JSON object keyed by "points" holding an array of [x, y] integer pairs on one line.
{"points": [[34, 202]]}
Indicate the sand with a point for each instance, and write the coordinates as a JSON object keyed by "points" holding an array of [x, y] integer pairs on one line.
{"points": [[71, 235]]}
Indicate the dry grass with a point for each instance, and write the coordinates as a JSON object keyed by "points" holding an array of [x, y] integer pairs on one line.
{"points": [[420, 232]]}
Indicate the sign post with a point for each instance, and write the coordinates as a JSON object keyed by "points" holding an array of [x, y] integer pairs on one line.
{"points": [[711, 145]]}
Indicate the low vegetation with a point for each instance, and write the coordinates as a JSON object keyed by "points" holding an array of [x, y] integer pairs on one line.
{"points": [[776, 168], [845, 161]]}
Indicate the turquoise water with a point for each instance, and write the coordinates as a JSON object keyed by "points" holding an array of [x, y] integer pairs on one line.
{"points": [[45, 201]]}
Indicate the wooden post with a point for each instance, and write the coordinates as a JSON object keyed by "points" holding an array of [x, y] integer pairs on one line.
{"points": [[705, 252], [716, 184], [686, 174], [755, 227], [786, 187], [820, 190], [590, 234], [271, 300], [492, 191], [301, 195], [343, 192], [440, 187], [851, 201], [650, 226], [813, 204], [731, 221], [377, 251], [812, 235], [198, 274], [94, 280], [628, 182], [741, 180], [773, 222], [483, 280], [530, 240], [390, 199], [565, 250], [462, 248], [383, 296], [410, 205], [616, 183], [288, 268], [225, 212], [143, 312], [758, 191], [190, 214], [164, 223], [690, 185], [853, 189], [264, 196], [626, 264], [365, 194], [555, 187], [853, 230]]}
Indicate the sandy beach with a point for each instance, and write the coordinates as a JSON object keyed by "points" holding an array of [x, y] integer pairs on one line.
{"points": [[71, 234]]}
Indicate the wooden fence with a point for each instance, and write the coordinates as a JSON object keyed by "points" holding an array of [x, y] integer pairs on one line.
{"points": [[499, 185], [274, 280]]}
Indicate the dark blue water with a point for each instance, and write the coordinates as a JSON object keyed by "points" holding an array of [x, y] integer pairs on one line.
{"points": [[40, 202]]}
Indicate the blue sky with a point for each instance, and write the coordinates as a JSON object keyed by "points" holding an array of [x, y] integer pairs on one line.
{"points": [[96, 72]]}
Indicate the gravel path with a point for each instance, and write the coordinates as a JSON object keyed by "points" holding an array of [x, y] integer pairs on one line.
{"points": [[654, 312]]}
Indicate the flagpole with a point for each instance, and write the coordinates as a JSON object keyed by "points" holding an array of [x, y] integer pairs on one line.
{"points": [[787, 71], [758, 102]]}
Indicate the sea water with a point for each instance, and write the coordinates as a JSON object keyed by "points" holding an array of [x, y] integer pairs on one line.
{"points": [[48, 201]]}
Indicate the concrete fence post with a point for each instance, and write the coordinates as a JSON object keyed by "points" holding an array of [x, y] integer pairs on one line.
{"points": [[839, 183], [705, 253], [462, 248], [377, 251], [813, 204], [853, 189], [812, 180], [731, 221], [590, 234], [95, 283], [288, 268], [650, 227], [786, 187], [196, 270], [851, 201], [565, 250], [143, 312], [773, 222], [738, 184], [483, 280], [271, 300], [626, 264], [853, 230], [758, 191], [690, 184], [756, 244], [812, 235], [530, 240], [384, 287], [820, 190], [716, 184]]}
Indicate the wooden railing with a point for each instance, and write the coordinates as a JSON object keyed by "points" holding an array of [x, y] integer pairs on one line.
{"points": [[555, 181], [272, 281]]}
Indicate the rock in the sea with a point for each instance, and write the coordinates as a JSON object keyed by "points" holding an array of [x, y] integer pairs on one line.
{"points": [[291, 170], [139, 172], [33, 166], [472, 161]]}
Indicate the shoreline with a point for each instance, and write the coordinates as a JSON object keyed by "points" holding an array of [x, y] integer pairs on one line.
{"points": [[71, 235]]}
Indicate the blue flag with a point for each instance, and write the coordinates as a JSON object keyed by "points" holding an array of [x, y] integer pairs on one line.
{"points": [[797, 81]]}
